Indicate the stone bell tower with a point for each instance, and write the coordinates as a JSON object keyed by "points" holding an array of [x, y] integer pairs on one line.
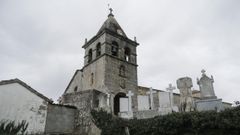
{"points": [[109, 75], [110, 63]]}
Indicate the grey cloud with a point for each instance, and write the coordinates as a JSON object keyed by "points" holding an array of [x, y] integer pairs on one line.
{"points": [[40, 41]]}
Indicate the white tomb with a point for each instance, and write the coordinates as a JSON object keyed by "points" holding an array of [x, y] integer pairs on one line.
{"points": [[123, 104], [164, 103], [164, 99], [126, 106], [143, 103]]}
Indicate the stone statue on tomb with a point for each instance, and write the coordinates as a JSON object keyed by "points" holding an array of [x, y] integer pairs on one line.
{"points": [[206, 86], [209, 100]]}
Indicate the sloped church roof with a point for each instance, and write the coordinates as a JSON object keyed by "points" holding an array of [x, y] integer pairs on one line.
{"points": [[112, 25]]}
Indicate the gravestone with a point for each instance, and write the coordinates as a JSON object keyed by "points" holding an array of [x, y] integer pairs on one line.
{"points": [[129, 95], [164, 99], [170, 89], [151, 92], [126, 104], [206, 86], [123, 104], [186, 101], [209, 100], [164, 103], [143, 102]]}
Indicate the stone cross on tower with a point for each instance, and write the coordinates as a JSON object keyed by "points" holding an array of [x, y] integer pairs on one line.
{"points": [[170, 89], [111, 10], [151, 92], [129, 95]]}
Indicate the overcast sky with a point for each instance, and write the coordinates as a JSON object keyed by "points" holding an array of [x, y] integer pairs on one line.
{"points": [[41, 40]]}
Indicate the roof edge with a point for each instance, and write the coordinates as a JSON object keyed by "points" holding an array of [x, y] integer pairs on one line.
{"points": [[72, 79], [16, 80]]}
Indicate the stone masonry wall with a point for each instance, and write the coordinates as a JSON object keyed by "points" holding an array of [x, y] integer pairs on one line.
{"points": [[60, 119], [84, 101]]}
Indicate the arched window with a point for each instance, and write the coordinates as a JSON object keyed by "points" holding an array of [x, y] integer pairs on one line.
{"points": [[122, 70], [127, 53], [114, 48], [98, 49], [90, 55]]}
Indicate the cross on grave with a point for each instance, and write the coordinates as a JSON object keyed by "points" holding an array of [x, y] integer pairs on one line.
{"points": [[129, 95], [170, 89], [151, 92], [203, 71]]}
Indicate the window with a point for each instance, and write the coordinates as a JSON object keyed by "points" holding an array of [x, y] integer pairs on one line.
{"points": [[122, 70], [92, 79], [127, 54], [90, 55], [75, 89], [96, 103], [114, 48], [98, 49]]}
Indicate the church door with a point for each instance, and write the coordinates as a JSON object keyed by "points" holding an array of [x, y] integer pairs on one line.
{"points": [[117, 102]]}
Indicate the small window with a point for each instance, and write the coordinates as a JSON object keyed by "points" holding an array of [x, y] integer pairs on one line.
{"points": [[97, 103], [122, 70], [114, 48], [90, 55], [98, 49], [92, 78], [127, 54], [75, 89]]}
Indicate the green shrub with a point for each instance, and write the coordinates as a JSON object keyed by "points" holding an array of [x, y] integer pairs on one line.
{"points": [[226, 122], [10, 128]]}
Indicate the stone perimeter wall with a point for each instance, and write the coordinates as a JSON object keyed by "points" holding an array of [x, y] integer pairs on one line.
{"points": [[60, 119], [84, 101]]}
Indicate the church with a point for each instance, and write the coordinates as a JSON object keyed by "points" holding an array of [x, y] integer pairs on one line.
{"points": [[109, 80]]}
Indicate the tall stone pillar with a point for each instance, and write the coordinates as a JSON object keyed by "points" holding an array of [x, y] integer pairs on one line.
{"points": [[186, 101]]}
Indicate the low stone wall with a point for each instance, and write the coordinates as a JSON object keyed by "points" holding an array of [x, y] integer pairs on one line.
{"points": [[60, 119]]}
